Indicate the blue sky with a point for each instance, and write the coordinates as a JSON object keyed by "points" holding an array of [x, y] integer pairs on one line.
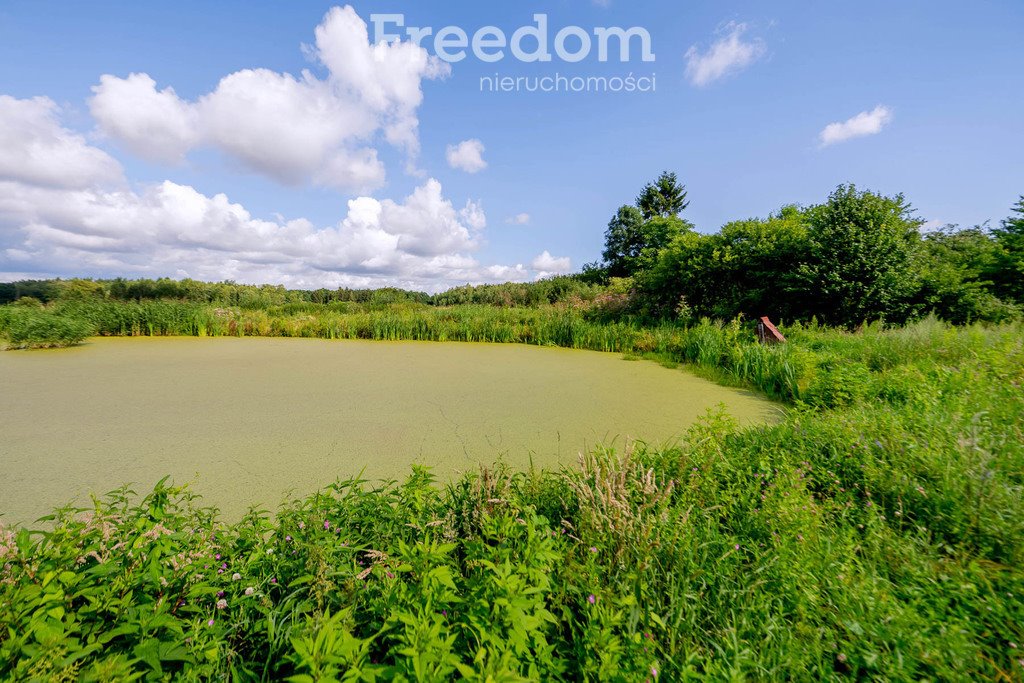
{"points": [[125, 181]]}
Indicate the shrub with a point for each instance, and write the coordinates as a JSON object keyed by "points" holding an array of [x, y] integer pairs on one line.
{"points": [[31, 328]]}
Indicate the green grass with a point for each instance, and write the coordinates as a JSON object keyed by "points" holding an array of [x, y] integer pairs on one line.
{"points": [[35, 328], [876, 534]]}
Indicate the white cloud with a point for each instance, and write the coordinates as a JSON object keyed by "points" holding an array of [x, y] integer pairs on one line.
{"points": [[35, 149], [294, 129], [545, 264], [467, 156], [864, 123], [727, 55], [154, 124], [73, 214], [519, 219]]}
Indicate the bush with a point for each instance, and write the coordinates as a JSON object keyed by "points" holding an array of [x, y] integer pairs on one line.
{"points": [[30, 328]]}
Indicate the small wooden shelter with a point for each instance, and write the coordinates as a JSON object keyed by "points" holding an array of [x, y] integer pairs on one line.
{"points": [[768, 333]]}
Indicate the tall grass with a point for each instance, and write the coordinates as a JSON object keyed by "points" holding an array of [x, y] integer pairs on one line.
{"points": [[29, 328], [872, 535], [726, 348], [876, 533]]}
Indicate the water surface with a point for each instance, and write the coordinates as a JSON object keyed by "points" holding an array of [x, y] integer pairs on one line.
{"points": [[250, 420]]}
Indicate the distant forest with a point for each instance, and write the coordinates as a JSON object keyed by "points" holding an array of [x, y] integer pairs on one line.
{"points": [[858, 256]]}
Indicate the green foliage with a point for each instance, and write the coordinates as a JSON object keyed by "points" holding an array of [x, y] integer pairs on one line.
{"points": [[860, 257], [637, 233], [27, 325], [551, 290], [1008, 273], [742, 270], [875, 533], [664, 198]]}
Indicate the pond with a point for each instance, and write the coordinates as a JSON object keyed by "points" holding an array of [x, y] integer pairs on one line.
{"points": [[249, 421]]}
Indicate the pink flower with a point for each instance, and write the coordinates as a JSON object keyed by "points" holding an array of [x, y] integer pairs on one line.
{"points": [[591, 599], [210, 622], [593, 549], [327, 525], [737, 546]]}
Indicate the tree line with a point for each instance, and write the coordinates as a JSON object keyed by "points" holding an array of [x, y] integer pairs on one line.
{"points": [[858, 256]]}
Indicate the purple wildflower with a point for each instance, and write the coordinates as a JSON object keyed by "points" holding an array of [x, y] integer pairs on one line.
{"points": [[591, 599]]}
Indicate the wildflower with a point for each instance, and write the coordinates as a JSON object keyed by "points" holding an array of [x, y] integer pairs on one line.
{"points": [[737, 547], [220, 594], [327, 525], [841, 657], [591, 599], [302, 525], [288, 539], [217, 556], [210, 622], [389, 575], [250, 590], [236, 577], [270, 551], [222, 603], [273, 580], [654, 672], [593, 549]]}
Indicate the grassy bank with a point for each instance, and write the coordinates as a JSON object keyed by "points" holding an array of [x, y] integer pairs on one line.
{"points": [[877, 533], [723, 348]]}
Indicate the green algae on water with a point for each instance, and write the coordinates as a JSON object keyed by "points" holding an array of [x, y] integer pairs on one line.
{"points": [[250, 420]]}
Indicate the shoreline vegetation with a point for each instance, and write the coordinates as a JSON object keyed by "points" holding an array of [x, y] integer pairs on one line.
{"points": [[874, 533], [877, 532]]}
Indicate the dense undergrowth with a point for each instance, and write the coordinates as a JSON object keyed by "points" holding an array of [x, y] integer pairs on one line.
{"points": [[877, 533]]}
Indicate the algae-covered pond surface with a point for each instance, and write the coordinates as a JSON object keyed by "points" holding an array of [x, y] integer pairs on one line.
{"points": [[249, 420]]}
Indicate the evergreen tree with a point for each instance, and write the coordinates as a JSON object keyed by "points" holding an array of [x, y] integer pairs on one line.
{"points": [[1008, 275], [665, 197]]}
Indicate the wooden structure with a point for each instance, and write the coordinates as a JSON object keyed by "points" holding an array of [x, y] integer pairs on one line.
{"points": [[768, 333]]}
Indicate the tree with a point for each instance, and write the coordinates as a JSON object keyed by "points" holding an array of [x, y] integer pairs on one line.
{"points": [[1008, 274], [955, 267], [622, 241], [665, 197], [632, 243], [860, 263], [747, 269]]}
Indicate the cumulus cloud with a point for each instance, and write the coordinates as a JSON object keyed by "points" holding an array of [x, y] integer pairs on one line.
{"points": [[863, 124], [727, 55], [65, 208], [35, 149], [519, 219], [154, 124], [467, 156], [294, 129], [545, 264]]}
